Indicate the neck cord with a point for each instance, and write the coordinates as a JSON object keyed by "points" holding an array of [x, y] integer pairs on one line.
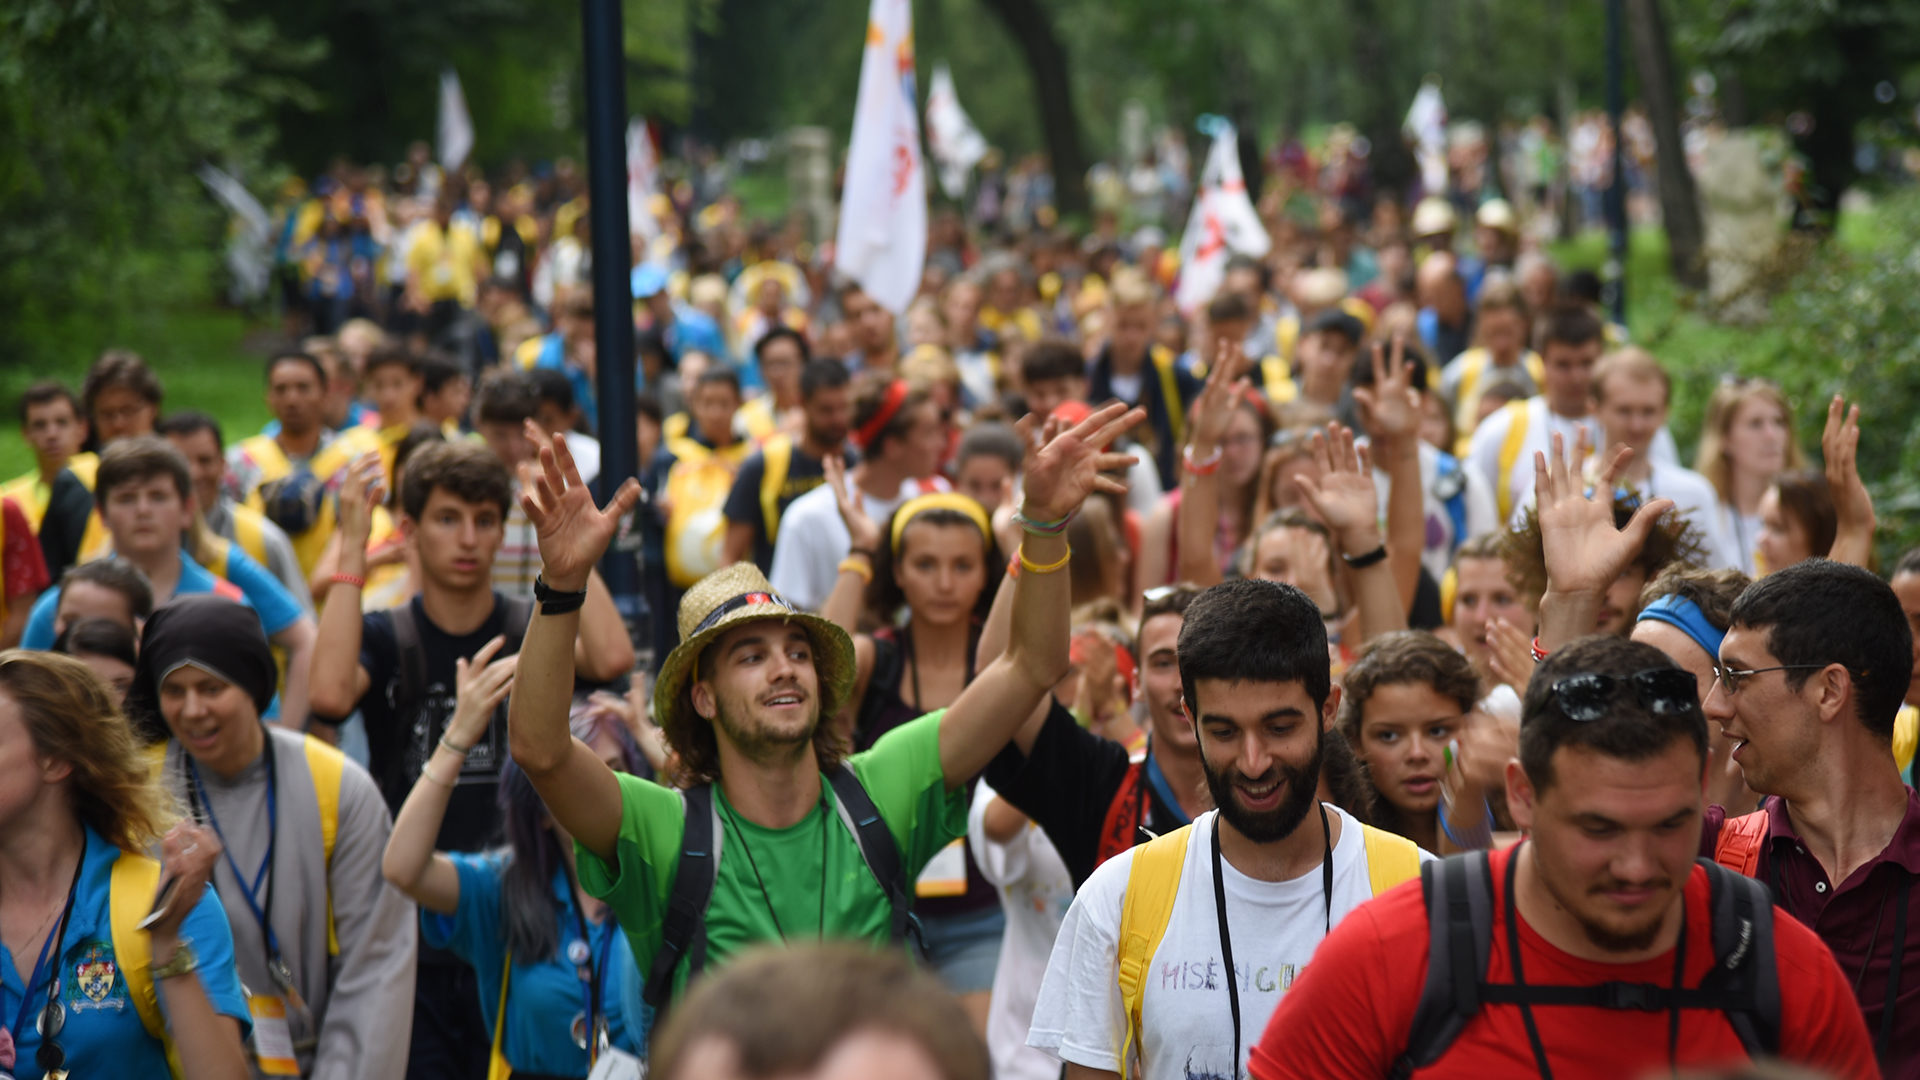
{"points": [[202, 809], [1520, 981], [1226, 938], [767, 897], [52, 1017], [913, 663]]}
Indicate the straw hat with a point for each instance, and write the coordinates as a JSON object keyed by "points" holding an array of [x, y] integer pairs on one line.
{"points": [[1433, 217], [725, 599], [1497, 214]]}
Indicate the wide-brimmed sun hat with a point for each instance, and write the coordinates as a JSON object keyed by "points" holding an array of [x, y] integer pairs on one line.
{"points": [[723, 600]]}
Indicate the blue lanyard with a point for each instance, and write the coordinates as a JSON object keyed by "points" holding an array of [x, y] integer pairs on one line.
{"points": [[48, 962], [262, 876], [1165, 790], [593, 975]]}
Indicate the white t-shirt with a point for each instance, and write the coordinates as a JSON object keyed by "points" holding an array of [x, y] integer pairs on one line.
{"points": [[813, 540], [1185, 1018], [1036, 890], [1693, 498], [1439, 541], [1490, 438]]}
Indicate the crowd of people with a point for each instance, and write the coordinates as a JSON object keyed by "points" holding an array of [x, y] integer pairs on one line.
{"points": [[1027, 633]]}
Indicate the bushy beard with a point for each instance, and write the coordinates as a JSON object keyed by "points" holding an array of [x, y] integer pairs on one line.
{"points": [[1265, 827]]}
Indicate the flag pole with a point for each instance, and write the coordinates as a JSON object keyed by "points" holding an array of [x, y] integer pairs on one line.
{"points": [[612, 289]]}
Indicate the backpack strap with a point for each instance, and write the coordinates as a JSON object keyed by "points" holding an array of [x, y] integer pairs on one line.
{"points": [[1518, 419], [1126, 814], [881, 853], [327, 766], [1391, 858], [519, 613], [777, 460], [1446, 467], [1276, 376], [1459, 896], [412, 655], [1738, 846], [1163, 364], [1745, 965], [135, 881], [683, 930], [1466, 392], [1153, 882]]}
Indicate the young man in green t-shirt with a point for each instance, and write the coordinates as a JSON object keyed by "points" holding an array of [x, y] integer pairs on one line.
{"points": [[742, 700]]}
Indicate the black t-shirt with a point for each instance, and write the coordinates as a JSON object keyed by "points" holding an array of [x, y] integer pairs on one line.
{"points": [[1067, 784], [804, 473], [401, 735], [64, 526]]}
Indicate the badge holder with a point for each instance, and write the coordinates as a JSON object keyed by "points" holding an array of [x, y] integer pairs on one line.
{"points": [[282, 1024]]}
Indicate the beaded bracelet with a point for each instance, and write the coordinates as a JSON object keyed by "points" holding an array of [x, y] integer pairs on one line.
{"points": [[1206, 467], [1041, 528], [354, 580], [1028, 566]]}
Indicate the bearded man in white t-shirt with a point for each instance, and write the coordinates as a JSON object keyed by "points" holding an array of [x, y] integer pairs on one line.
{"points": [[1257, 686]]}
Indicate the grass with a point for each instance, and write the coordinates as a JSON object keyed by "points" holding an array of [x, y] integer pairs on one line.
{"points": [[205, 356]]}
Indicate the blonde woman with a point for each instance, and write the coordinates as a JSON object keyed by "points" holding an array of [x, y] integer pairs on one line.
{"points": [[1746, 443], [96, 990]]}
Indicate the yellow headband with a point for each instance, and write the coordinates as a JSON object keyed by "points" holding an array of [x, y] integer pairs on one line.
{"points": [[939, 500]]}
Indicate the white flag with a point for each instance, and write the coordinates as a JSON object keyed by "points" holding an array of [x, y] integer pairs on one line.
{"points": [[248, 237], [1426, 125], [957, 146], [456, 127], [882, 239], [640, 180], [1223, 223]]}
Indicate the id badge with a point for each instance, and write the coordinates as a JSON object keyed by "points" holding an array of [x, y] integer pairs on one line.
{"points": [[272, 1040], [617, 1065], [945, 874]]}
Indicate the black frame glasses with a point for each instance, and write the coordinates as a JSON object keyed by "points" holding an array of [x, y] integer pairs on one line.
{"points": [[1730, 679], [1663, 691]]}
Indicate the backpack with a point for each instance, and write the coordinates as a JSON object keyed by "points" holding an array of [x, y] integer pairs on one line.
{"points": [[412, 669], [1450, 483], [1744, 982], [684, 929], [1153, 882], [696, 496], [136, 879]]}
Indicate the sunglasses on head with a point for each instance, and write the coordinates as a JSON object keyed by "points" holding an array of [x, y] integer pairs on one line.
{"points": [[1662, 691]]}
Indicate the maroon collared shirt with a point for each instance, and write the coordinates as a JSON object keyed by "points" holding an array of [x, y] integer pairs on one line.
{"points": [[1857, 920]]}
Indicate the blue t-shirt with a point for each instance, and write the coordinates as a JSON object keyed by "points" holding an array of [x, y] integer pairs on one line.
{"points": [[264, 593], [103, 1035], [194, 580], [545, 997]]}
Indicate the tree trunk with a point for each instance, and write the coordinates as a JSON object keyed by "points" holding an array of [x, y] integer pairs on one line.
{"points": [[1032, 27], [1679, 202], [1389, 162]]}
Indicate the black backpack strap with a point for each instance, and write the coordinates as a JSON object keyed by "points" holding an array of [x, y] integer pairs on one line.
{"points": [[519, 612], [882, 855], [684, 930], [1459, 897], [1745, 967], [412, 657]]}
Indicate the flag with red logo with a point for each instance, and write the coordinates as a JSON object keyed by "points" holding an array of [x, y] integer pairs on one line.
{"points": [[882, 239], [1223, 223], [640, 181]]}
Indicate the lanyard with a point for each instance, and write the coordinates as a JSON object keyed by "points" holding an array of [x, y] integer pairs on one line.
{"points": [[48, 963], [588, 972], [1226, 938], [1165, 790], [262, 913]]}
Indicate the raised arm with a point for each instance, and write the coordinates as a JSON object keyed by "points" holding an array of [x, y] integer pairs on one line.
{"points": [[1390, 411], [1198, 520], [336, 681], [1853, 507], [410, 863], [849, 596], [1345, 499], [578, 788], [208, 1044], [604, 650], [1584, 552], [1059, 477]]}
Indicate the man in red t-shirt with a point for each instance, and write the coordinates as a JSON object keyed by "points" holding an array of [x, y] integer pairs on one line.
{"points": [[1609, 786]]}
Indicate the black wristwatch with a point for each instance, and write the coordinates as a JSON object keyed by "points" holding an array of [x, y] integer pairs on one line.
{"points": [[1361, 562], [556, 601]]}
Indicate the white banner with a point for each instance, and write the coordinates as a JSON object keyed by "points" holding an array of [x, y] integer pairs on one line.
{"points": [[882, 239], [1426, 126], [640, 180], [249, 236], [455, 130], [1223, 223], [957, 146]]}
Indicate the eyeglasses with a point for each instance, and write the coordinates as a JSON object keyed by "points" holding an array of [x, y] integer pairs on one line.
{"points": [[1663, 691], [1731, 679]]}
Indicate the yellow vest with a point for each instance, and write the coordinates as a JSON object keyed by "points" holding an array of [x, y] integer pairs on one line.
{"points": [[274, 464], [1473, 367]]}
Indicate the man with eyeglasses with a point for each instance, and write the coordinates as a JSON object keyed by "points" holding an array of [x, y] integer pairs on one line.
{"points": [[1809, 679], [1596, 947]]}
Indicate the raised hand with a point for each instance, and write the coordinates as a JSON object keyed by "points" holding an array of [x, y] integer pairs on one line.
{"points": [[1213, 409], [363, 488], [1852, 505], [1510, 654], [1065, 469], [1584, 551], [861, 528], [479, 686], [1390, 408], [1344, 495], [572, 531], [187, 855]]}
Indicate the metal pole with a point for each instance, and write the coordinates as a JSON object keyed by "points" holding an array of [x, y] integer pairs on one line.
{"points": [[612, 290], [1614, 279]]}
